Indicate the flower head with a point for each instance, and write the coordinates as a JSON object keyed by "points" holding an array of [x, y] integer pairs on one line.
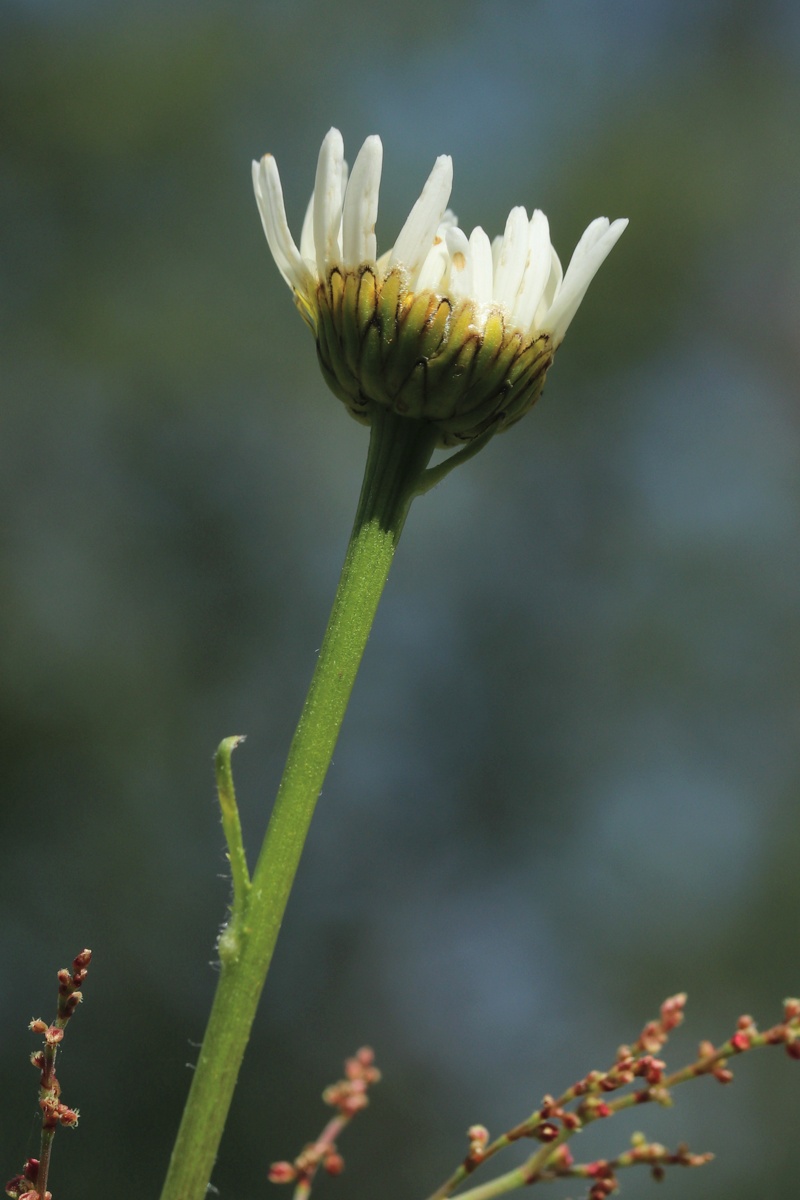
{"points": [[454, 330]]}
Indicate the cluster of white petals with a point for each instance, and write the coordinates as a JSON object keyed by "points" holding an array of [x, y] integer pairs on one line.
{"points": [[518, 273]]}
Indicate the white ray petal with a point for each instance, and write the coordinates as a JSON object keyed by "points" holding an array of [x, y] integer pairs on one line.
{"points": [[459, 286], [383, 262], [361, 205], [482, 269], [595, 245], [328, 201], [592, 234], [416, 237], [307, 234], [497, 246], [552, 287], [343, 193], [432, 272], [537, 270], [511, 260], [269, 197]]}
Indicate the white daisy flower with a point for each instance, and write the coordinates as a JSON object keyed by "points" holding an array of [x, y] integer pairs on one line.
{"points": [[455, 330]]}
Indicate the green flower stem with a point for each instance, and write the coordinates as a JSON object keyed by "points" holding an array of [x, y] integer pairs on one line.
{"points": [[399, 453]]}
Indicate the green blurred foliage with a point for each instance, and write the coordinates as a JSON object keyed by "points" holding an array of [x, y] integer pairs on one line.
{"points": [[568, 783]]}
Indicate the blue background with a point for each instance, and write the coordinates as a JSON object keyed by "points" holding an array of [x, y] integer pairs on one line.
{"points": [[568, 783]]}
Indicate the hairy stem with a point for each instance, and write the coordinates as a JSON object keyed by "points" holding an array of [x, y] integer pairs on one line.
{"points": [[399, 453]]}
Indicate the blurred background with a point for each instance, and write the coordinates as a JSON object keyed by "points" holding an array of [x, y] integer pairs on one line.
{"points": [[568, 783]]}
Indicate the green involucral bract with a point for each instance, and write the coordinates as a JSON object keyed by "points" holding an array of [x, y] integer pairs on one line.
{"points": [[421, 355]]}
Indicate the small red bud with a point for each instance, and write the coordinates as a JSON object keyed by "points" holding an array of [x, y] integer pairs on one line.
{"points": [[652, 1037], [54, 1035], [793, 1048], [334, 1164], [478, 1135], [546, 1131], [38, 1026], [672, 1011], [562, 1159], [740, 1041], [602, 1188], [282, 1172]]}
